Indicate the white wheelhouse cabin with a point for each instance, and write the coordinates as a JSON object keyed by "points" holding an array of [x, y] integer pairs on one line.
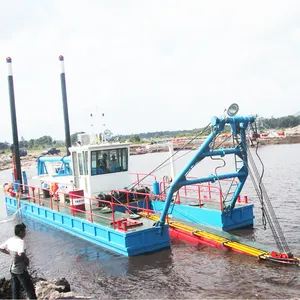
{"points": [[93, 168]]}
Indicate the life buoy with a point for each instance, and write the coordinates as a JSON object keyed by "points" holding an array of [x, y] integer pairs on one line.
{"points": [[7, 188], [53, 188]]}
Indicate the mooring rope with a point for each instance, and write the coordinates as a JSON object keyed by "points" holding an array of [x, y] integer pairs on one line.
{"points": [[13, 216]]}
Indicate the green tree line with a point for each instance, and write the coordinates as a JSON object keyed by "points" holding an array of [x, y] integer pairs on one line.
{"points": [[40, 143], [281, 123], [48, 141]]}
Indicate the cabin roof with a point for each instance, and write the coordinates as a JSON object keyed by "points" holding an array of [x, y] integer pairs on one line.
{"points": [[99, 147]]}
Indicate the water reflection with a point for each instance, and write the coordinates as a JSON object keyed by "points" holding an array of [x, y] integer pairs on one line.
{"points": [[158, 260], [183, 271]]}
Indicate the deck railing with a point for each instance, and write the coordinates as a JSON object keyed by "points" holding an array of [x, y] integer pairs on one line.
{"points": [[132, 197], [140, 177], [57, 202], [198, 193], [120, 200]]}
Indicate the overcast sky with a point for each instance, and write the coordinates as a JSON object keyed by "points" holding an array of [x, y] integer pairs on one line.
{"points": [[148, 65]]}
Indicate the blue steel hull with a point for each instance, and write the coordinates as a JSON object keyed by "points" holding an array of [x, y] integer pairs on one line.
{"points": [[126, 243], [239, 217]]}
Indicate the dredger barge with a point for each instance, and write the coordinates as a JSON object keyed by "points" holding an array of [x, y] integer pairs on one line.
{"points": [[89, 194]]}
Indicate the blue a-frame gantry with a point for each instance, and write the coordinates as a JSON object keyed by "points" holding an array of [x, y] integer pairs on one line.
{"points": [[238, 125]]}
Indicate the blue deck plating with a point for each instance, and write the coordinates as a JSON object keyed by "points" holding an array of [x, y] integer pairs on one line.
{"points": [[126, 243]]}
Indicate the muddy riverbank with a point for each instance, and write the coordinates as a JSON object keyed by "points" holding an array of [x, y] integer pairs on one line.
{"points": [[292, 137]]}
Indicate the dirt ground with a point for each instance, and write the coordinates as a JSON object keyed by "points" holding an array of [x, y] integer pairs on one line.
{"points": [[26, 162], [292, 136], [293, 131]]}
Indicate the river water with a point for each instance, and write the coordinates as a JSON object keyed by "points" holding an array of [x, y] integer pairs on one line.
{"points": [[184, 271]]}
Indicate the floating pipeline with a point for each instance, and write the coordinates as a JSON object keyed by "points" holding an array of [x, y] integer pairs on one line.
{"points": [[195, 236]]}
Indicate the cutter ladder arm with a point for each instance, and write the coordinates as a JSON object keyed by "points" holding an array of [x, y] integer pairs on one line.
{"points": [[181, 178], [237, 124]]}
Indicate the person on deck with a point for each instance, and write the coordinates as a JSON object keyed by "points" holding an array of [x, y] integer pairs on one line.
{"points": [[15, 247], [102, 163], [114, 164]]}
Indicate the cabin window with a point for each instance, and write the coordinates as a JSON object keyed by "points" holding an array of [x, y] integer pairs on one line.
{"points": [[109, 161], [85, 162], [94, 162], [80, 164]]}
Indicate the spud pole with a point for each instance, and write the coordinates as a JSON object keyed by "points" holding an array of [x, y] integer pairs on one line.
{"points": [[65, 103], [15, 149]]}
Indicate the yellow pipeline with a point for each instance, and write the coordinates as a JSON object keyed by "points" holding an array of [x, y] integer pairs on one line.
{"points": [[217, 239]]}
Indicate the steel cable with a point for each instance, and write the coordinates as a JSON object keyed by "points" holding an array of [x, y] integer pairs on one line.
{"points": [[268, 203], [175, 153], [268, 211], [259, 190], [160, 166]]}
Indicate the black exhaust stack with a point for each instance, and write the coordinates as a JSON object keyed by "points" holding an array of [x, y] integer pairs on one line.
{"points": [[65, 103], [15, 148]]}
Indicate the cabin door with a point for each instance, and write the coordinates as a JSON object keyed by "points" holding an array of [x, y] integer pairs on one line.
{"points": [[75, 170]]}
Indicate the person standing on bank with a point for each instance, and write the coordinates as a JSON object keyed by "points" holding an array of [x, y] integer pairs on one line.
{"points": [[15, 247]]}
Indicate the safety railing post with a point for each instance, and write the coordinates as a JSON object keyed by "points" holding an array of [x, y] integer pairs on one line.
{"points": [[221, 201], [33, 195], [51, 202], [147, 206], [178, 198], [199, 195], [138, 180], [28, 192], [57, 203], [127, 201], [209, 190], [91, 210], [113, 211], [72, 206]]}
